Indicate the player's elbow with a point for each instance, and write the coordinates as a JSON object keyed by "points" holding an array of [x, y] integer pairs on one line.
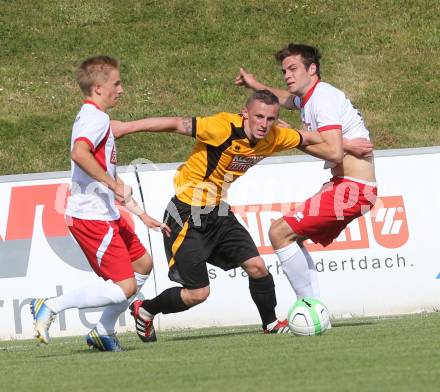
{"points": [[75, 155], [78, 154], [119, 128], [336, 156], [117, 133]]}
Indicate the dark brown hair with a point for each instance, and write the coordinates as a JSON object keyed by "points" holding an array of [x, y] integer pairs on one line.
{"points": [[309, 54]]}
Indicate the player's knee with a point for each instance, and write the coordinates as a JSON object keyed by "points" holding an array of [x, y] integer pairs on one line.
{"points": [[143, 265], [275, 230], [129, 288], [255, 268], [196, 296], [280, 234]]}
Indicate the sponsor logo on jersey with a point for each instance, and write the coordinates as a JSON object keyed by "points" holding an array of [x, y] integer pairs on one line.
{"points": [[241, 163], [113, 158]]}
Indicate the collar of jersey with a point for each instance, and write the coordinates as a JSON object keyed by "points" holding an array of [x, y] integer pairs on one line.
{"points": [[309, 93], [90, 102], [239, 131]]}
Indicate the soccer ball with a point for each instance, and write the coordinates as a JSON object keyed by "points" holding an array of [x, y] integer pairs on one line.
{"points": [[308, 317]]}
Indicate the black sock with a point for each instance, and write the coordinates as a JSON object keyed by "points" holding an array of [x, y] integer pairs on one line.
{"points": [[168, 301], [263, 293]]}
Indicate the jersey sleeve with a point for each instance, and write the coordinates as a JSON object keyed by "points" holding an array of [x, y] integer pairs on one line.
{"points": [[328, 111], [212, 130], [92, 130], [287, 138]]}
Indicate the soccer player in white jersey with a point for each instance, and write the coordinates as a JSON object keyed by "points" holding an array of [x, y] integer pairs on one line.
{"points": [[106, 238], [351, 191]]}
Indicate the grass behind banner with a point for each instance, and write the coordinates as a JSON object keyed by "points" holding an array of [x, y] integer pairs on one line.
{"points": [[180, 58], [373, 354]]}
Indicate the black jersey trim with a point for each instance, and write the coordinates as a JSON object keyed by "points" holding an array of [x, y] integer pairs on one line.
{"points": [[300, 139], [194, 127], [213, 154]]}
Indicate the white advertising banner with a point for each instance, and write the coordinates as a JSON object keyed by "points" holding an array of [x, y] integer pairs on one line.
{"points": [[383, 263]]}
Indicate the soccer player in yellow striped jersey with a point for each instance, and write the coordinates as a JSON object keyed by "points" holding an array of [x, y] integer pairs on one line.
{"points": [[223, 152], [204, 230]]}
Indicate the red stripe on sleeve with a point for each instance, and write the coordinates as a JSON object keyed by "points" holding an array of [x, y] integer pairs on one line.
{"points": [[329, 128], [84, 139]]}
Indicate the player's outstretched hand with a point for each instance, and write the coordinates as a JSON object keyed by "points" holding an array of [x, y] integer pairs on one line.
{"points": [[245, 79], [359, 147], [155, 225]]}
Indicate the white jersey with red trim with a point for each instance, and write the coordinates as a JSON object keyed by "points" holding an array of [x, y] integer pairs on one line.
{"points": [[89, 199], [325, 107]]}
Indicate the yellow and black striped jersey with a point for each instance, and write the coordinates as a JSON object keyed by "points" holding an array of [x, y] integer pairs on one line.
{"points": [[221, 154]]}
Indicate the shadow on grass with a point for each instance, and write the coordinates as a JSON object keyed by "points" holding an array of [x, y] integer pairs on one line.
{"points": [[210, 336], [83, 351], [353, 324]]}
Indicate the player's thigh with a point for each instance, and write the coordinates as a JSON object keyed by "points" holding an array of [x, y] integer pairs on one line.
{"points": [[234, 244], [315, 219], [322, 217], [187, 251], [280, 233], [103, 247], [186, 248], [136, 250]]}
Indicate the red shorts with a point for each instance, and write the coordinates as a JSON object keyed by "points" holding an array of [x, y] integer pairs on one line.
{"points": [[110, 246], [322, 217]]}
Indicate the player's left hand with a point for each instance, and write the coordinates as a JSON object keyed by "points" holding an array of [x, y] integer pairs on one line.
{"points": [[359, 147], [155, 225], [246, 79]]}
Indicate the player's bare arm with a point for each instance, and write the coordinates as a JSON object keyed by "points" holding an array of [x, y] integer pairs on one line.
{"points": [[310, 138], [246, 79], [123, 192], [82, 155], [307, 137], [181, 125], [330, 149], [131, 205]]}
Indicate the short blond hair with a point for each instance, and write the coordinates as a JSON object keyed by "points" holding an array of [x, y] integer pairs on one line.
{"points": [[94, 70]]}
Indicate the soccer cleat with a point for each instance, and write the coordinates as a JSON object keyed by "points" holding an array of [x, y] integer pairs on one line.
{"points": [[103, 342], [144, 325], [279, 327], [43, 318]]}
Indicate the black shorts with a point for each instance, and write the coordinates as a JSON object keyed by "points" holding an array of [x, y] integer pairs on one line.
{"points": [[200, 236]]}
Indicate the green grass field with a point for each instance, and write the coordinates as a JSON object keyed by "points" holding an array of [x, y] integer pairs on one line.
{"points": [[180, 58], [370, 354]]}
